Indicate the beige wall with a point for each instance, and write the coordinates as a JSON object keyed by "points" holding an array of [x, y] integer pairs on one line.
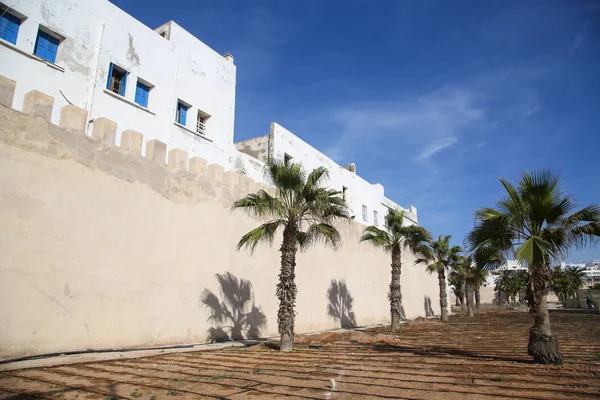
{"points": [[101, 248]]}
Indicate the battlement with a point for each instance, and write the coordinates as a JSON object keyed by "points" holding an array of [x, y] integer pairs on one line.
{"points": [[155, 167]]}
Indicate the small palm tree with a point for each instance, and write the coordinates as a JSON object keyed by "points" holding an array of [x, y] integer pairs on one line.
{"points": [[576, 279], [468, 270], [457, 284], [536, 222], [438, 255], [565, 283], [396, 238], [306, 212]]}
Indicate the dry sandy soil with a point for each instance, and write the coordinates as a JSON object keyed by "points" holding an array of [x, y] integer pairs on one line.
{"points": [[468, 358]]}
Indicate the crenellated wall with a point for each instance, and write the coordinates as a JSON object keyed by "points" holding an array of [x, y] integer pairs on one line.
{"points": [[103, 247]]}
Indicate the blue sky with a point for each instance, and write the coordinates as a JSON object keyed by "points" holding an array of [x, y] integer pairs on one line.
{"points": [[433, 99]]}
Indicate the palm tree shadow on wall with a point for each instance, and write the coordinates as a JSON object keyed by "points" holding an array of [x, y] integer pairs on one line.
{"points": [[234, 315], [340, 304], [427, 305]]}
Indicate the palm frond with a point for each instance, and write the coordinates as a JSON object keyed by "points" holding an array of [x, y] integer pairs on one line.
{"points": [[260, 204], [264, 233], [377, 237], [319, 233]]}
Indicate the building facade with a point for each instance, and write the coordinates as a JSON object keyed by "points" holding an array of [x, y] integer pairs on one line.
{"points": [[162, 82], [366, 201], [591, 269]]}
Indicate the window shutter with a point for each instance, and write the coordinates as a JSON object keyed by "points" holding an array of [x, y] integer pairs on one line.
{"points": [[40, 45], [110, 72], [141, 94], [182, 114], [51, 48], [9, 28], [123, 83]]}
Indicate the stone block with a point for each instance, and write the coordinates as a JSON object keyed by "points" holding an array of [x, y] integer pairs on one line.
{"points": [[105, 131], [231, 180], [131, 141], [245, 185], [198, 166], [7, 91], [214, 173], [73, 119], [178, 160], [256, 187], [38, 104], [156, 151]]}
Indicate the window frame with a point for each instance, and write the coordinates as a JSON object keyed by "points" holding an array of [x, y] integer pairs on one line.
{"points": [[375, 218], [181, 106], [201, 128], [365, 213], [11, 18], [110, 79], [47, 47]]}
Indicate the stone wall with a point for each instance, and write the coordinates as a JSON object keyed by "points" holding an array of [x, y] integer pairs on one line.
{"points": [[104, 248]]}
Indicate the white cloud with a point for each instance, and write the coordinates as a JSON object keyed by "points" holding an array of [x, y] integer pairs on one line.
{"points": [[425, 125]]}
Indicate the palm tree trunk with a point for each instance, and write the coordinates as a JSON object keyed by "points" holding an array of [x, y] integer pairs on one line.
{"points": [[286, 289], [462, 303], [477, 297], [543, 347], [469, 300], [395, 289], [456, 301], [443, 295]]}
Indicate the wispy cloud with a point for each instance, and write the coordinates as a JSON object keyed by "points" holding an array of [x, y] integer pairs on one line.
{"points": [[425, 125], [455, 117]]}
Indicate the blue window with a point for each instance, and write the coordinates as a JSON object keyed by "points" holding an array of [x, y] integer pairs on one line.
{"points": [[117, 80], [141, 94], [9, 27], [46, 46], [181, 113]]}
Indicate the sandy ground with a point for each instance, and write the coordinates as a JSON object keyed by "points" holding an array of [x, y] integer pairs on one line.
{"points": [[468, 358]]}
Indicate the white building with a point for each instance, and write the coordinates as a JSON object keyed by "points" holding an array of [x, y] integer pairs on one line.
{"points": [[162, 82], [508, 265], [591, 269], [366, 201]]}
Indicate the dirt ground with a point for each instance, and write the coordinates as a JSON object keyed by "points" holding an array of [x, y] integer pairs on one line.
{"points": [[468, 358]]}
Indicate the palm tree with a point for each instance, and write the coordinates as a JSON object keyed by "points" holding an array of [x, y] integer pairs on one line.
{"points": [[306, 212], [469, 272], [576, 279], [396, 238], [510, 284], [457, 284], [535, 222], [565, 283], [439, 255]]}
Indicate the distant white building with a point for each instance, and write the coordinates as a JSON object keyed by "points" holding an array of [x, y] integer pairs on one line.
{"points": [[163, 82], [508, 265]]}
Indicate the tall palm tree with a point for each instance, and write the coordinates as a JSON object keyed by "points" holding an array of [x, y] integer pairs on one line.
{"points": [[439, 256], [536, 222], [306, 212], [397, 237]]}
